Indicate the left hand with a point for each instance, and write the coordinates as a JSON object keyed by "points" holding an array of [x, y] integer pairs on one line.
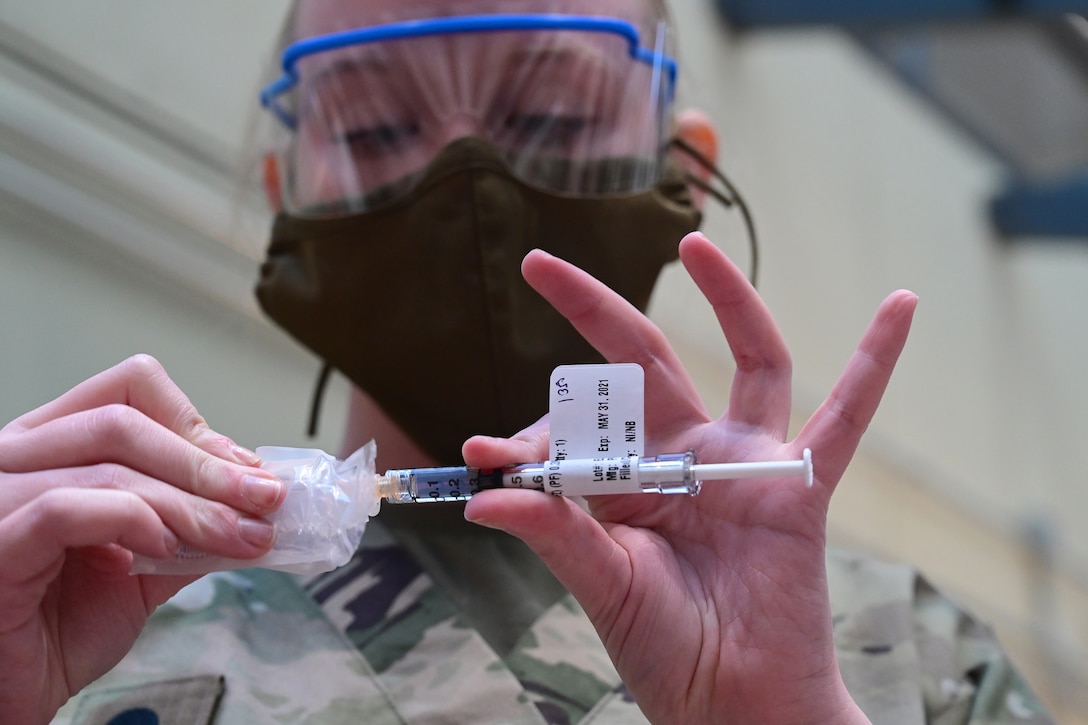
{"points": [[121, 464], [714, 608]]}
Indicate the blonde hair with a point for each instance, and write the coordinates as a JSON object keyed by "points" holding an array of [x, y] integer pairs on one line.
{"points": [[658, 8]]}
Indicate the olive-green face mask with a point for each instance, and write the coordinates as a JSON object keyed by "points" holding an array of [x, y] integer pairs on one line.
{"points": [[422, 304]]}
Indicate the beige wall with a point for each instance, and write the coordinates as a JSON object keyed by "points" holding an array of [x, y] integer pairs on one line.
{"points": [[123, 128], [859, 188]]}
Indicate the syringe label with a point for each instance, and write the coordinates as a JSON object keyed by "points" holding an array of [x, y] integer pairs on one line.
{"points": [[596, 411], [589, 477]]}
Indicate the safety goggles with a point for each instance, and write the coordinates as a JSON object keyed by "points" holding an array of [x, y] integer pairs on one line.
{"points": [[574, 104]]}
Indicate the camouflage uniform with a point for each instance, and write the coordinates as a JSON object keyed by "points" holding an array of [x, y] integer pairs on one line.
{"points": [[394, 638]]}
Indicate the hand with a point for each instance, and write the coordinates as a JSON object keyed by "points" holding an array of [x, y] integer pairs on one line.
{"points": [[122, 463], [714, 608]]}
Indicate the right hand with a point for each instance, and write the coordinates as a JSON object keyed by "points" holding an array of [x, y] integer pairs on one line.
{"points": [[714, 608], [121, 463]]}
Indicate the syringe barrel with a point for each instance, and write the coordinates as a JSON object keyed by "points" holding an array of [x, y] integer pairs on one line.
{"points": [[437, 485], [666, 473]]}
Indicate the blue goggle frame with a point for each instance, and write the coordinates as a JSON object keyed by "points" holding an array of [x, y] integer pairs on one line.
{"points": [[664, 65]]}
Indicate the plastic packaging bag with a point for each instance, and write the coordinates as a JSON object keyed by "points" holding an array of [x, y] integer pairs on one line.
{"points": [[318, 526]]}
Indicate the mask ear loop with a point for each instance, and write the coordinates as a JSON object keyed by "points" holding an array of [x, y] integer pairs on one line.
{"points": [[318, 396], [728, 198]]}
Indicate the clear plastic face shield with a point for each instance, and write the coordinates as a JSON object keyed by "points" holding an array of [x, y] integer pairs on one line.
{"points": [[575, 104]]}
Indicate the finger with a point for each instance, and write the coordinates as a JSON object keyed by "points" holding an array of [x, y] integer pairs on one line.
{"points": [[760, 395], [528, 446], [123, 435], [35, 536], [142, 383], [835, 429], [207, 525], [621, 334], [573, 545]]}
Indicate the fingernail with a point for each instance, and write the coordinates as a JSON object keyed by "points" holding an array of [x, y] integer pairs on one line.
{"points": [[261, 491], [481, 522], [170, 539], [245, 456], [257, 532]]}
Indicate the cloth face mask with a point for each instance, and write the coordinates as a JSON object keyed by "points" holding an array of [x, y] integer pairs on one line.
{"points": [[421, 303]]}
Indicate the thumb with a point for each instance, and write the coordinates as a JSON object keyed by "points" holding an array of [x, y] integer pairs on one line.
{"points": [[528, 446]]}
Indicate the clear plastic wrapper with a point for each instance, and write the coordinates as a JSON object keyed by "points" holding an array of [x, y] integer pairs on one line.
{"points": [[319, 525]]}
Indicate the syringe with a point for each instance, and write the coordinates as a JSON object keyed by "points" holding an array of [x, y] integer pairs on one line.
{"points": [[666, 473]]}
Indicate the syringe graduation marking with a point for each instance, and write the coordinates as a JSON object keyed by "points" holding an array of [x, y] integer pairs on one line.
{"points": [[667, 473], [454, 483]]}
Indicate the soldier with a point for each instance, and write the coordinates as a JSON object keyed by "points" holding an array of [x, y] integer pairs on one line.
{"points": [[435, 152]]}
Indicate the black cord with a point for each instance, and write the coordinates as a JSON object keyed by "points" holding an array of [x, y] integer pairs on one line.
{"points": [[319, 394], [727, 201]]}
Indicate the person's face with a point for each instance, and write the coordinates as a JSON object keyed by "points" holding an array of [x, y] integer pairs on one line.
{"points": [[372, 114]]}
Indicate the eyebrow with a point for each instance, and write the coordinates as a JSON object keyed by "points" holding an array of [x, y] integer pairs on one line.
{"points": [[359, 67], [566, 53]]}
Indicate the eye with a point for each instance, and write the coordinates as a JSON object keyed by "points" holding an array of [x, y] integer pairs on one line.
{"points": [[387, 138], [547, 130]]}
